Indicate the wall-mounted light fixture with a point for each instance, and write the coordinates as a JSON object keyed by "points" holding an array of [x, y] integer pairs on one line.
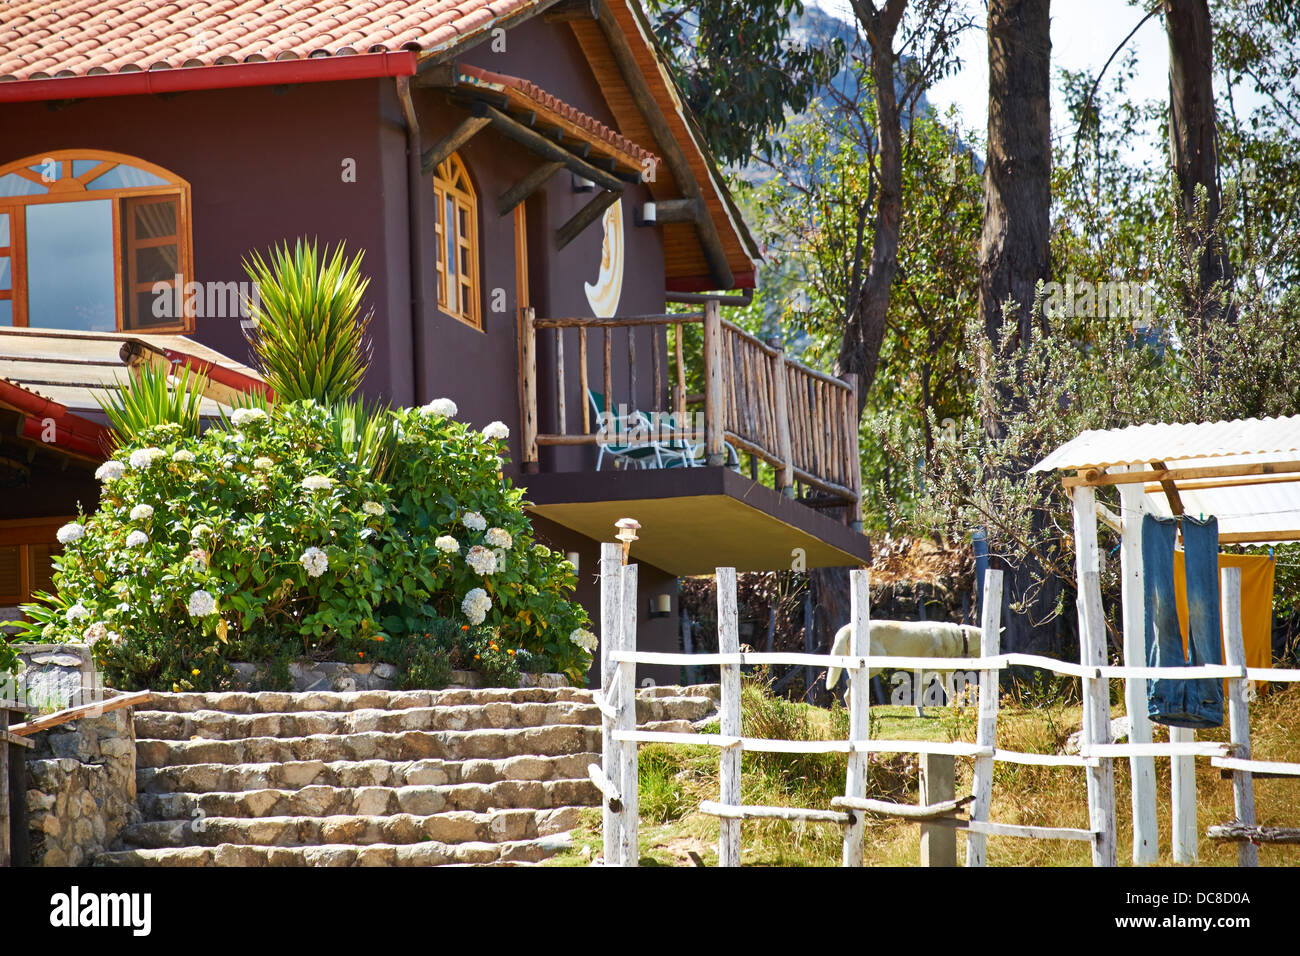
{"points": [[647, 215], [573, 560], [661, 605], [581, 184]]}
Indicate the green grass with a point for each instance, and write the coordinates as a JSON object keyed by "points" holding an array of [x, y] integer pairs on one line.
{"points": [[675, 779]]}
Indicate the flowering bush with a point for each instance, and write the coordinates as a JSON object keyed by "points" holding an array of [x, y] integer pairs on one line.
{"points": [[267, 537]]}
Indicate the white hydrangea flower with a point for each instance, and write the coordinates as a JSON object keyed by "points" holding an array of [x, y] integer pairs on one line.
{"points": [[202, 604], [96, 632], [110, 471], [497, 430], [48, 630], [70, 533], [447, 544], [199, 531], [76, 613], [137, 539], [373, 508], [142, 512], [263, 463], [316, 562], [440, 406], [123, 608], [317, 482], [145, 457], [244, 417], [474, 521], [476, 605], [199, 559], [183, 455], [114, 638], [499, 538], [481, 560], [584, 639]]}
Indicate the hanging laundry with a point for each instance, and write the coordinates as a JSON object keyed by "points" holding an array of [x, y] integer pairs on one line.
{"points": [[1177, 702], [1256, 603]]}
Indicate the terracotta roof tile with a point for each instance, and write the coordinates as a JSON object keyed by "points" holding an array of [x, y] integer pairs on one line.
{"points": [[556, 106], [80, 37]]}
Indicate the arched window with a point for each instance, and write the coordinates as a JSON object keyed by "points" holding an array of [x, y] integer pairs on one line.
{"points": [[93, 241], [456, 228]]}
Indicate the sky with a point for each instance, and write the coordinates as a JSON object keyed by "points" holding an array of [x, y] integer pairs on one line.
{"points": [[1084, 33]]}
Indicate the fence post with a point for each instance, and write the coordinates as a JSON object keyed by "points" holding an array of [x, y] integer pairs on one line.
{"points": [[713, 384], [855, 784], [610, 628], [986, 730], [1096, 690], [729, 757], [1142, 770], [629, 782], [938, 783], [784, 446], [5, 822], [528, 441], [1243, 782]]}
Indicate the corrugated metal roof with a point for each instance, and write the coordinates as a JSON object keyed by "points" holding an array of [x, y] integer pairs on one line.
{"points": [[1277, 439], [72, 368], [1250, 504]]}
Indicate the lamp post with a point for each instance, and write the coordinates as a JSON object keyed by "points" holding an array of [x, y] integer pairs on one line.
{"points": [[627, 529]]}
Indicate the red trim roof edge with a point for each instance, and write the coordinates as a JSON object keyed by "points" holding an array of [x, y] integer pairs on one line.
{"points": [[72, 432], [317, 69]]}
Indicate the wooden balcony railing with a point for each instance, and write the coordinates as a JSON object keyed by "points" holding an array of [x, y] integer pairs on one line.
{"points": [[800, 421]]}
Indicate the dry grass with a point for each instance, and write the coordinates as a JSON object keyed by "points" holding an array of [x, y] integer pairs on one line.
{"points": [[675, 779]]}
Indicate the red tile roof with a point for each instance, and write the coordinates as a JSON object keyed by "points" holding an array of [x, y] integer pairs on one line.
{"points": [[532, 94], [42, 39]]}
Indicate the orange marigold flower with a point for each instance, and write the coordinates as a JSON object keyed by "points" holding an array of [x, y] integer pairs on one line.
{"points": [[511, 652], [361, 653], [463, 627], [475, 657]]}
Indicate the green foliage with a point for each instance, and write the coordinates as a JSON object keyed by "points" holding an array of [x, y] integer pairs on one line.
{"points": [[145, 399], [310, 342], [269, 538], [741, 70]]}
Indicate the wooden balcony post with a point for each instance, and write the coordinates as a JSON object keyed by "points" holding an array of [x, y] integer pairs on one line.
{"points": [[713, 395], [854, 465], [529, 440], [784, 447]]}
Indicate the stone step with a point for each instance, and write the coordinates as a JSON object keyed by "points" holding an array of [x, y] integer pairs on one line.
{"points": [[459, 826], [408, 745], [319, 801], [220, 725], [292, 775], [428, 853]]}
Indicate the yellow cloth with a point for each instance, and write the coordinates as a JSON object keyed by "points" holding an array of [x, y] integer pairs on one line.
{"points": [[1256, 603]]}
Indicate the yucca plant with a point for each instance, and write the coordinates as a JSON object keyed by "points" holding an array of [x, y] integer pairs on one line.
{"points": [[311, 338], [146, 399], [364, 431]]}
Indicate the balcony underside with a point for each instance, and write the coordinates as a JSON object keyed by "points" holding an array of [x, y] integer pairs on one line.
{"points": [[696, 519]]}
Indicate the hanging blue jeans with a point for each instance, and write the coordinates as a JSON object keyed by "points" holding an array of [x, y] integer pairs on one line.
{"points": [[1183, 703]]}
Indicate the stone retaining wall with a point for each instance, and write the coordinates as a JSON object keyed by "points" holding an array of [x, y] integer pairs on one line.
{"points": [[80, 788]]}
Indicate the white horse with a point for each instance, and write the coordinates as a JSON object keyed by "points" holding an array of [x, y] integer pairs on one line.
{"points": [[909, 639]]}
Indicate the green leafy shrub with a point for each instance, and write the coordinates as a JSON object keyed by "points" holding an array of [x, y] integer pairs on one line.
{"points": [[268, 537]]}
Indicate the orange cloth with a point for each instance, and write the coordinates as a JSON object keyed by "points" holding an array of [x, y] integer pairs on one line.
{"points": [[1256, 603]]}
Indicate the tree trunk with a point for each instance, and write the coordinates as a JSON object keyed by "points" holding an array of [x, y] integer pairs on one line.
{"points": [[868, 305], [1193, 151], [1015, 255]]}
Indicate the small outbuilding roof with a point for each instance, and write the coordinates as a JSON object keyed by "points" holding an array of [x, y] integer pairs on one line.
{"points": [[1244, 472]]}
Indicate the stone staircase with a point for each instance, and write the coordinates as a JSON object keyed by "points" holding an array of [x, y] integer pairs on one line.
{"points": [[372, 778]]}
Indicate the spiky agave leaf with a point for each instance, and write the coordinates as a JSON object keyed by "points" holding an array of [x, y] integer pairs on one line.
{"points": [[364, 431], [146, 399], [311, 339]]}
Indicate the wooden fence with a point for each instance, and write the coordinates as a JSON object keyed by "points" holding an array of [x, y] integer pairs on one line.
{"points": [[802, 422], [617, 775]]}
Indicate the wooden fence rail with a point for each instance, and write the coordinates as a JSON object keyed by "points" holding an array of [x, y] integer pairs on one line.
{"points": [[618, 778], [802, 422]]}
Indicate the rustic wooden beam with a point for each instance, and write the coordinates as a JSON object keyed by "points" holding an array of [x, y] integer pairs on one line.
{"points": [[671, 150], [679, 210], [526, 186], [569, 10], [467, 129], [441, 76], [1098, 479], [93, 709], [584, 217], [1170, 488], [1237, 832], [544, 147]]}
